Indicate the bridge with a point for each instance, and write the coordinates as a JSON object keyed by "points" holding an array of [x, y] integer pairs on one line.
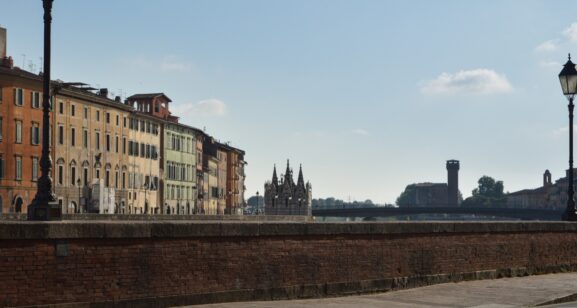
{"points": [[372, 212]]}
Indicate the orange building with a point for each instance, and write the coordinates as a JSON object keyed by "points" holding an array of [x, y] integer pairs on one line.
{"points": [[20, 136]]}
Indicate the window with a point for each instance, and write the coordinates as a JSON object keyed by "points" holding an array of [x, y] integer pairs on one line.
{"points": [[135, 148], [18, 96], [85, 176], [117, 120], [123, 145], [116, 179], [142, 150], [60, 134], [35, 99], [156, 107], [72, 136], [72, 110], [85, 138], [98, 174], [60, 174], [123, 180], [35, 134], [73, 176], [61, 107], [18, 131], [108, 117], [124, 122], [18, 168], [107, 179], [116, 144], [1, 122], [107, 142], [142, 126], [2, 167], [86, 113], [97, 137], [148, 127], [148, 151], [98, 115], [0, 102]]}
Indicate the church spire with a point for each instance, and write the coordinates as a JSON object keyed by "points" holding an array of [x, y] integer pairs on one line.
{"points": [[301, 181], [274, 177], [288, 175]]}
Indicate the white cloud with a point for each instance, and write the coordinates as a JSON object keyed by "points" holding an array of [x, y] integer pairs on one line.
{"points": [[206, 108], [476, 81], [360, 131], [547, 46], [571, 32], [563, 131]]}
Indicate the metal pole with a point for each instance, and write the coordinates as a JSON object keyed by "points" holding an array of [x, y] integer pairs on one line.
{"points": [[570, 210], [44, 206]]}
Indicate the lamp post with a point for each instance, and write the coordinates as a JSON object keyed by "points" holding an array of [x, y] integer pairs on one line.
{"points": [[78, 182], [44, 205], [257, 202], [568, 79]]}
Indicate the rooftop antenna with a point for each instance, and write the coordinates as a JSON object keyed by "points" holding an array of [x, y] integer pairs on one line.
{"points": [[31, 66], [41, 64], [23, 60]]}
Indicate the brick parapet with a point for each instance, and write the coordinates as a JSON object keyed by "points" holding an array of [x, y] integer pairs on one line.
{"points": [[183, 229], [170, 263]]}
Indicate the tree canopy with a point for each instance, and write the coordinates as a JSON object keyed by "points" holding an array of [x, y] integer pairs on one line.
{"points": [[489, 193]]}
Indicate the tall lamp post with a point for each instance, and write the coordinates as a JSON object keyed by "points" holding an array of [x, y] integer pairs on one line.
{"points": [[78, 183], [44, 205], [257, 202], [568, 79]]}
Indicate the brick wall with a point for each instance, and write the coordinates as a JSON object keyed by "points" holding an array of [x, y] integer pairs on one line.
{"points": [[171, 263]]}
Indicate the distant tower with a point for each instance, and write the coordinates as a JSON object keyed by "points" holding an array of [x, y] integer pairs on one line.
{"points": [[453, 182], [547, 178]]}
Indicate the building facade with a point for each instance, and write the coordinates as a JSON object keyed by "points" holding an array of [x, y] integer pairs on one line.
{"points": [[180, 167], [89, 159], [286, 197], [20, 137]]}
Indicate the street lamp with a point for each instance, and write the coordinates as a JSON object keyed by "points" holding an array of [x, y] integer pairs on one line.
{"points": [[568, 79], [78, 182], [257, 202], [44, 205]]}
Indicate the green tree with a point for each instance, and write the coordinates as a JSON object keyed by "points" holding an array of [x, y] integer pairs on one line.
{"points": [[489, 193], [407, 197]]}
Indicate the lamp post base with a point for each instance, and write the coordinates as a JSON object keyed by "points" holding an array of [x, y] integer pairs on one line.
{"points": [[44, 211]]}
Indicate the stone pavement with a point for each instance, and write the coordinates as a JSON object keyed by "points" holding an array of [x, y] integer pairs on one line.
{"points": [[498, 293]]}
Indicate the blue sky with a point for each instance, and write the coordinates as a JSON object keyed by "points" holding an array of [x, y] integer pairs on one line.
{"points": [[368, 95]]}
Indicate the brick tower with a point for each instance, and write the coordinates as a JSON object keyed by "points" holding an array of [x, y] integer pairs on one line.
{"points": [[452, 182]]}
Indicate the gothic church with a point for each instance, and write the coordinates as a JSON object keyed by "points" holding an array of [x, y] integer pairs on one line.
{"points": [[286, 197]]}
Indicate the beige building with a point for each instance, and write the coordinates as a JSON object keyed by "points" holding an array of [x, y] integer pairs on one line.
{"points": [[89, 159], [143, 164]]}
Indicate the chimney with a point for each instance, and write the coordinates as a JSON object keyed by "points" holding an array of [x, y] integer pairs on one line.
{"points": [[103, 92], [2, 43], [117, 99], [453, 182]]}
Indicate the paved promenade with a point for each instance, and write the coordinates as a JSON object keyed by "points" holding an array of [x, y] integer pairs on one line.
{"points": [[499, 293]]}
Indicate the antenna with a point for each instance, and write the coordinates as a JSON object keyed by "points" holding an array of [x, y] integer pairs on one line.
{"points": [[23, 60]]}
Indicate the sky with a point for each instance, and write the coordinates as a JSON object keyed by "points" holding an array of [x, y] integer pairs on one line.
{"points": [[369, 96]]}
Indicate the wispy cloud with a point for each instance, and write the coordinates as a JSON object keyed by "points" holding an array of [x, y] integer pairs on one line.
{"points": [[173, 64], [571, 32], [360, 131], [550, 64], [476, 81], [205, 108], [550, 45], [562, 131]]}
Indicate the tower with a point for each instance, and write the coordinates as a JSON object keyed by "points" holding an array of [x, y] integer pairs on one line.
{"points": [[453, 182], [547, 178]]}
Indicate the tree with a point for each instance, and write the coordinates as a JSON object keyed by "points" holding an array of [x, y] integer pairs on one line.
{"points": [[489, 193], [407, 197], [252, 201]]}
